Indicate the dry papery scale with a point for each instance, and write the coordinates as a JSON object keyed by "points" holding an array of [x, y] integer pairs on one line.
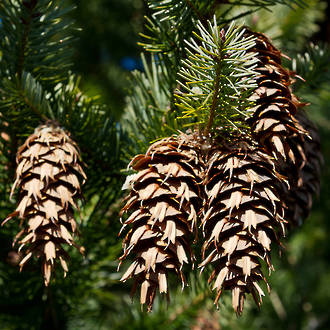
{"points": [[48, 176], [280, 124], [304, 179], [162, 212], [273, 117], [243, 215]]}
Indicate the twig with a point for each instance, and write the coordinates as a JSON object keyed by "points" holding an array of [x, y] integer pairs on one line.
{"points": [[214, 98], [24, 41]]}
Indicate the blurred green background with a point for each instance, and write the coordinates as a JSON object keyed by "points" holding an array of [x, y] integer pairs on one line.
{"points": [[107, 47], [91, 297]]}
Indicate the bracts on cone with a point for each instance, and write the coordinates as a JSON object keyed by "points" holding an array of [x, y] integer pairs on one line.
{"points": [[281, 126], [48, 177], [162, 208], [273, 119], [235, 189], [304, 178], [243, 215]]}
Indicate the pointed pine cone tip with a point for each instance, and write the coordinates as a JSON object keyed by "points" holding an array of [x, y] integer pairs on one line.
{"points": [[9, 217], [48, 177]]}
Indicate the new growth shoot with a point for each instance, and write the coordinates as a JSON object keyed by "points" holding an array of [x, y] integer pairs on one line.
{"points": [[217, 78]]}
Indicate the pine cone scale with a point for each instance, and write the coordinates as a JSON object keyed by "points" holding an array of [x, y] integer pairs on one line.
{"points": [[242, 222], [162, 206], [48, 176]]}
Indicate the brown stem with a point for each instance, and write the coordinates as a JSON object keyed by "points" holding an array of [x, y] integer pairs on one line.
{"points": [[11, 152], [217, 3], [50, 320], [34, 109], [27, 26], [209, 15], [214, 98], [21, 57], [200, 17]]}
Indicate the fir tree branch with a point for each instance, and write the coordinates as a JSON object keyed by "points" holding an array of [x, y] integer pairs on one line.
{"points": [[147, 114], [313, 66], [26, 94], [101, 147], [34, 38], [265, 3], [21, 57], [194, 9], [217, 78], [29, 5], [172, 22], [34, 97], [32, 107], [238, 16]]}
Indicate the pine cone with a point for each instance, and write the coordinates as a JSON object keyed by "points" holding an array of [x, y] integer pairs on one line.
{"points": [[242, 216], [47, 177], [273, 117], [280, 125], [163, 206], [304, 182]]}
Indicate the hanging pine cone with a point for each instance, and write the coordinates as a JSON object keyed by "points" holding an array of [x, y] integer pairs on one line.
{"points": [[304, 182], [242, 216], [47, 176], [280, 125], [273, 117], [162, 206]]}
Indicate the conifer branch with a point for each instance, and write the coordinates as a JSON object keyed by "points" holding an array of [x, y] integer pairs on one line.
{"points": [[34, 97], [21, 57], [200, 17], [147, 116], [217, 78], [39, 41], [313, 66], [24, 95], [267, 3], [29, 5]]}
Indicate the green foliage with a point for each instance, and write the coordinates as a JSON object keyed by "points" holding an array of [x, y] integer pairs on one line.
{"points": [[217, 78], [266, 3], [234, 10], [36, 85], [313, 66], [289, 29], [31, 92], [35, 38], [36, 47], [170, 24], [170, 20], [148, 115], [107, 36], [25, 95]]}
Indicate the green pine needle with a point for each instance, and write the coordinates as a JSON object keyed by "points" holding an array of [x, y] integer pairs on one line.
{"points": [[313, 66], [217, 78]]}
